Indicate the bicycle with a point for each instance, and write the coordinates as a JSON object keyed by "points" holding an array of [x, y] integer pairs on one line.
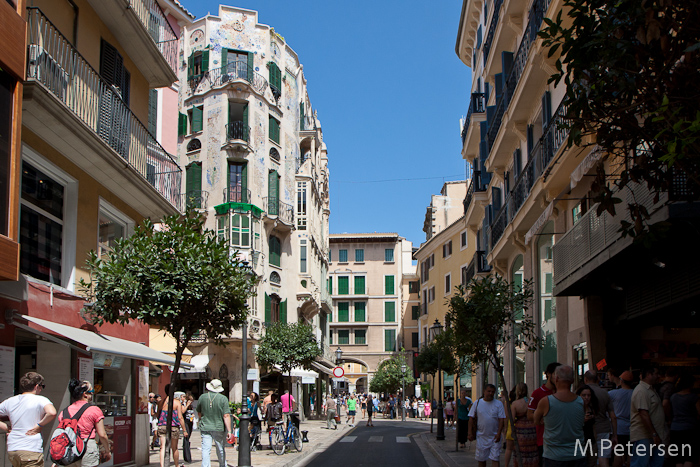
{"points": [[281, 438]]}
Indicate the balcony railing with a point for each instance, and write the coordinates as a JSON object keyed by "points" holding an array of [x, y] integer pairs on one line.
{"points": [[474, 186], [492, 29], [61, 70], [539, 159], [478, 265], [307, 122], [233, 71], [276, 208], [238, 131], [592, 234], [196, 199], [236, 194], [537, 11], [476, 105], [153, 19]]}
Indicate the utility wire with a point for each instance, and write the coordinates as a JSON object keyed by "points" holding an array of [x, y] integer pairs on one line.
{"points": [[395, 179]]}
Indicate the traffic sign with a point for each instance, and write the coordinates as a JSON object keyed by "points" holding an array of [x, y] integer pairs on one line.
{"points": [[338, 372]]}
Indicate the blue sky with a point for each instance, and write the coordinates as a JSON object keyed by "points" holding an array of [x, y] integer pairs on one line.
{"points": [[389, 90]]}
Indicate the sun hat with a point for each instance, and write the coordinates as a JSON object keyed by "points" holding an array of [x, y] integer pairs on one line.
{"points": [[215, 386], [627, 377]]}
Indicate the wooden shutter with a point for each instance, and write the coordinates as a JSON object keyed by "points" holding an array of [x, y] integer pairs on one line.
{"points": [[415, 312], [360, 312], [275, 76], [205, 61], [389, 312], [343, 285], [190, 66], [546, 109], [244, 184], [181, 124], [301, 116], [530, 140], [245, 123], [268, 309], [343, 312], [193, 177], [388, 285], [224, 59], [517, 163], [359, 285], [283, 311], [251, 66], [275, 251], [330, 285], [152, 111], [125, 85], [197, 116]]}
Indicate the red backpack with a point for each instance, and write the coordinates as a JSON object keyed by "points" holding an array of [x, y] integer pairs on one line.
{"points": [[67, 444]]}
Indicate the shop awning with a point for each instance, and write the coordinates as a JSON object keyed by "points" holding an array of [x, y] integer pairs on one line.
{"points": [[322, 368], [298, 372], [199, 364], [94, 342]]}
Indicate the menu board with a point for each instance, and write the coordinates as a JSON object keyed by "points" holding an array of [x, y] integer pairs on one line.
{"points": [[86, 370], [105, 360], [7, 372]]}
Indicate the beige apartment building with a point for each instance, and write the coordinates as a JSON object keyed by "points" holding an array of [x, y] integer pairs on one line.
{"points": [[365, 280], [596, 295]]}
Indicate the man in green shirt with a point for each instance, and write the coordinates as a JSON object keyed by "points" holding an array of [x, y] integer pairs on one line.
{"points": [[352, 409], [214, 418]]}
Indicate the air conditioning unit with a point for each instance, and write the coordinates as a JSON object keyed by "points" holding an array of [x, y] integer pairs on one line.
{"points": [[255, 325]]}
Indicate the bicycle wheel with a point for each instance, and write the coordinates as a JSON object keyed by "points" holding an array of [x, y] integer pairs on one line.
{"points": [[296, 438], [277, 441]]}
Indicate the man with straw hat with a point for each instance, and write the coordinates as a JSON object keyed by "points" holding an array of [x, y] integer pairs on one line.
{"points": [[214, 422]]}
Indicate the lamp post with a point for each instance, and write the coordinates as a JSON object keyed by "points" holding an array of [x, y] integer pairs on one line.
{"points": [[244, 423], [403, 392], [436, 330], [338, 361]]}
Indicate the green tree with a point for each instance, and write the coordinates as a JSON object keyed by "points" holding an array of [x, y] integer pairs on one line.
{"points": [[631, 74], [389, 377], [176, 277], [441, 350], [485, 317], [287, 346]]}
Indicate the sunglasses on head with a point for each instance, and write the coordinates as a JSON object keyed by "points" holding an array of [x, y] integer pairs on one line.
{"points": [[91, 391], [43, 386]]}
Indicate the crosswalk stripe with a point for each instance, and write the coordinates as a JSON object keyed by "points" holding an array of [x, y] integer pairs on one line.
{"points": [[376, 439], [403, 439], [348, 439]]}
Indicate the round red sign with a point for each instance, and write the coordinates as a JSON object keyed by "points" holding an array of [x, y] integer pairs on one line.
{"points": [[338, 372]]}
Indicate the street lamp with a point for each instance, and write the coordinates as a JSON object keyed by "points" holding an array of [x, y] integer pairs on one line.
{"points": [[403, 392], [436, 330], [244, 423], [338, 355]]}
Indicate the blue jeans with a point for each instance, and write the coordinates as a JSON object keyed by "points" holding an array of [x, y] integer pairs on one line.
{"points": [[650, 457], [218, 437]]}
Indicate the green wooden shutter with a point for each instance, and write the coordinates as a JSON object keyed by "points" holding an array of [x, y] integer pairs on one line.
{"points": [[275, 76], [415, 312], [301, 116], [273, 184], [390, 312], [224, 59], [388, 285], [197, 115], [190, 66], [275, 251], [181, 124], [360, 308], [343, 312], [268, 309], [283, 311], [246, 136], [251, 66], [359, 285], [389, 340], [343, 285], [152, 111], [244, 184], [205, 61], [193, 178], [330, 285]]}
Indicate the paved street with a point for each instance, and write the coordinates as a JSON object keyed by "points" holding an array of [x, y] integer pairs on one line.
{"points": [[390, 442]]}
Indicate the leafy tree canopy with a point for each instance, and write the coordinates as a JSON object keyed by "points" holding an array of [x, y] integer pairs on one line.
{"points": [[389, 377], [631, 74], [287, 346], [440, 350], [484, 315]]}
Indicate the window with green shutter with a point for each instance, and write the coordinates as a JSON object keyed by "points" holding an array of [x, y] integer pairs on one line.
{"points": [[389, 255], [330, 337], [330, 285], [343, 336], [273, 190], [196, 118], [360, 312], [274, 131], [275, 77], [193, 184], [390, 340], [152, 111], [359, 255], [343, 312], [359, 285], [275, 251], [181, 124], [390, 312], [388, 285], [342, 256], [548, 282], [360, 336], [283, 311], [268, 309], [343, 285], [415, 312]]}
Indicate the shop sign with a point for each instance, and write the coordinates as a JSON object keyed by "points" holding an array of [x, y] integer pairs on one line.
{"points": [[105, 360]]}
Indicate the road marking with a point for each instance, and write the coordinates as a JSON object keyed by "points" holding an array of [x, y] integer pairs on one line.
{"points": [[348, 439], [376, 439], [403, 439]]}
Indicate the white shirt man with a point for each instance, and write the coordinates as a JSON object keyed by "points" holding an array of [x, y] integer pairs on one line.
{"points": [[491, 417]]}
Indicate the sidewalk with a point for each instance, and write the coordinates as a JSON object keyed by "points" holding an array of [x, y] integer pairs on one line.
{"points": [[319, 438], [445, 451]]}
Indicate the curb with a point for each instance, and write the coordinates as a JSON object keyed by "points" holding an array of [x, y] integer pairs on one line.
{"points": [[443, 458]]}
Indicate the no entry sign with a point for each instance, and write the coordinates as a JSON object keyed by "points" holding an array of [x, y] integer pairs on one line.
{"points": [[338, 372]]}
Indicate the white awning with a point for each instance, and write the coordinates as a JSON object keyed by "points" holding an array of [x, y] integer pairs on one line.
{"points": [[322, 368], [298, 372], [199, 364], [94, 342]]}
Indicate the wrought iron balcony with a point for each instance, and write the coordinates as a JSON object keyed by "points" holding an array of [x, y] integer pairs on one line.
{"points": [[539, 159], [236, 194], [307, 123], [196, 199], [478, 265], [153, 19], [536, 15], [55, 65], [238, 131], [474, 186], [492, 29], [276, 208], [477, 104], [233, 72]]}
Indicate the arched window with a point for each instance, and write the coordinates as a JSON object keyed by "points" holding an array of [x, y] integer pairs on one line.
{"points": [[194, 145], [275, 251], [274, 154], [275, 278]]}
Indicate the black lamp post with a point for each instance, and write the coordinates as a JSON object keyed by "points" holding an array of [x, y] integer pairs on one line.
{"points": [[244, 423], [436, 330], [403, 392], [338, 361]]}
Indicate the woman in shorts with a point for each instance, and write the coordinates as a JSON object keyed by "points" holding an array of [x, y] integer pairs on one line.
{"points": [[178, 421], [450, 413]]}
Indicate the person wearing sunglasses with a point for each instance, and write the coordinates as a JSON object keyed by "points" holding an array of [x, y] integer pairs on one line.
{"points": [[90, 424], [29, 413]]}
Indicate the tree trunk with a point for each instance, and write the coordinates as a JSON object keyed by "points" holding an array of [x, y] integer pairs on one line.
{"points": [[509, 414], [169, 417]]}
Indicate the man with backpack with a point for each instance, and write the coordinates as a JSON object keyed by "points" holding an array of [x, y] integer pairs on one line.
{"points": [[81, 420], [28, 412]]}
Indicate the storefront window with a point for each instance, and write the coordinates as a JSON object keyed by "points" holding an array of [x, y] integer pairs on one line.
{"points": [[547, 309]]}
